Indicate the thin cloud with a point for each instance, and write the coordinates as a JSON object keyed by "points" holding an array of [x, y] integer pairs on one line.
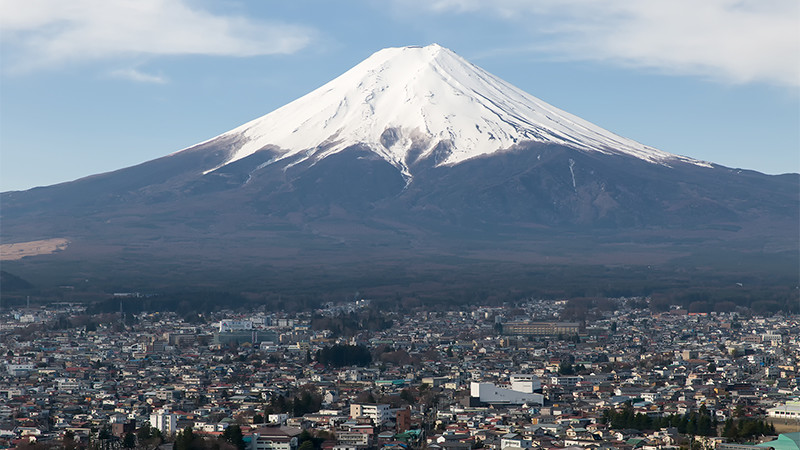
{"points": [[735, 41], [138, 76], [44, 33]]}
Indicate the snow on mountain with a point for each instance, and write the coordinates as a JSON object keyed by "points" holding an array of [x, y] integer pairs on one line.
{"points": [[407, 103]]}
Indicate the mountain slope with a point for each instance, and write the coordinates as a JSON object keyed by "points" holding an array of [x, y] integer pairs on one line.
{"points": [[414, 164]]}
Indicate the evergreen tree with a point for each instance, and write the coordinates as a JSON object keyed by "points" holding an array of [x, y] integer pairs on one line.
{"points": [[344, 355], [691, 425], [184, 439], [641, 422], [406, 395], [105, 433], [129, 441], [683, 424], [304, 436], [144, 433], [747, 429], [729, 431], [233, 435]]}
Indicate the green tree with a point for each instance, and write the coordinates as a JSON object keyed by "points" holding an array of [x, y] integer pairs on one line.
{"points": [[148, 437], [105, 433], [565, 368], [306, 403], [691, 425], [344, 355], [144, 433], [304, 436], [129, 440], [279, 404], [309, 441], [184, 439], [729, 430], [233, 435], [406, 395]]}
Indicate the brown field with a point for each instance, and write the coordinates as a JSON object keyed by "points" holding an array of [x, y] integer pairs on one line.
{"points": [[19, 250], [785, 425]]}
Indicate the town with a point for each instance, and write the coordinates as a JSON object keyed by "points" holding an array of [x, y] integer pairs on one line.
{"points": [[351, 376]]}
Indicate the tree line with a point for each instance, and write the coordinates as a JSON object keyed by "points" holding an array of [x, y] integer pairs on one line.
{"points": [[700, 423], [231, 439], [341, 355], [744, 429], [306, 402]]}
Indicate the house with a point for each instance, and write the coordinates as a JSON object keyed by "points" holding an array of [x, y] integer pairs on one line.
{"points": [[275, 438]]}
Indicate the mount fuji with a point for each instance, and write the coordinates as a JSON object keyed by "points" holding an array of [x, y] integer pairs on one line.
{"points": [[412, 103], [410, 166]]}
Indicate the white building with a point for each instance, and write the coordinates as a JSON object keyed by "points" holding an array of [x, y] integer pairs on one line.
{"points": [[522, 382], [228, 325], [278, 418], [19, 368], [275, 438], [565, 380], [353, 439], [379, 413], [789, 410], [651, 397], [164, 421], [513, 441], [493, 394], [207, 427]]}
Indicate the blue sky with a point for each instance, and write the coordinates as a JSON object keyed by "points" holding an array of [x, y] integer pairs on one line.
{"points": [[88, 86]]}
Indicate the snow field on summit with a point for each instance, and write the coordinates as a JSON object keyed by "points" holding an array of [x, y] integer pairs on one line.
{"points": [[403, 103]]}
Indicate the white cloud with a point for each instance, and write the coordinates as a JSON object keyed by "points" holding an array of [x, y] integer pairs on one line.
{"points": [[737, 41], [42, 33], [138, 76]]}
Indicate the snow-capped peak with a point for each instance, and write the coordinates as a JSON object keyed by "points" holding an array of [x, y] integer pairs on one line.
{"points": [[403, 102]]}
